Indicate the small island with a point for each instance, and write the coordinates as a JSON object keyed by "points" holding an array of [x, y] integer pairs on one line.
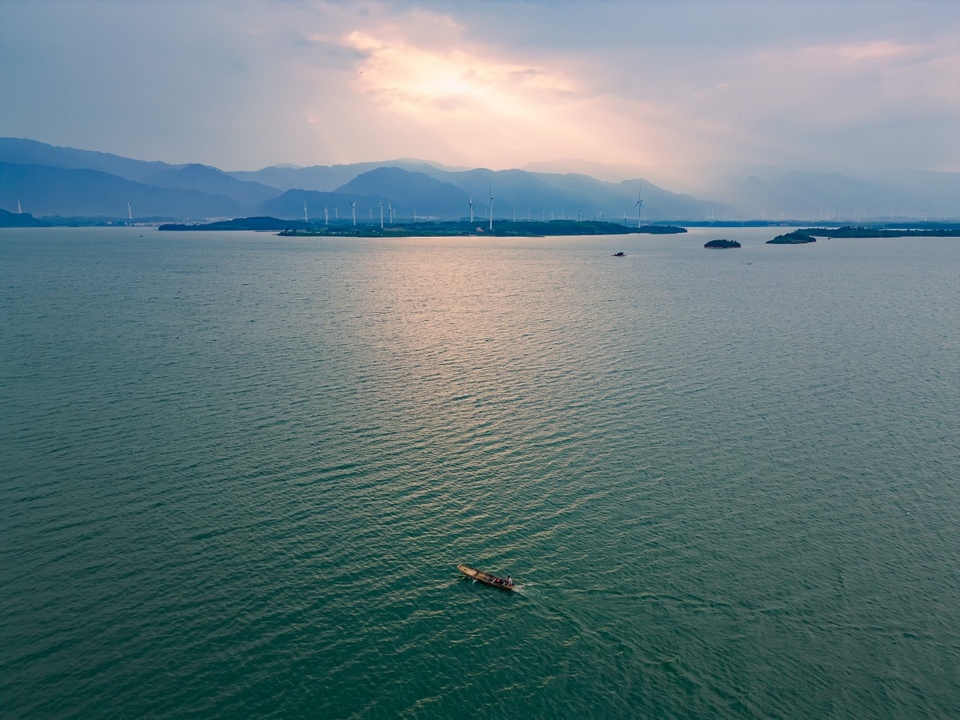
{"points": [[257, 224], [721, 244], [19, 219], [797, 237]]}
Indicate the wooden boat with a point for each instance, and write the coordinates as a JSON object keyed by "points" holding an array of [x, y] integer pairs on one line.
{"points": [[487, 578]]}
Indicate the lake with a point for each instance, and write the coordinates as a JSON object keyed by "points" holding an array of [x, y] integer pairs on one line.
{"points": [[237, 473]]}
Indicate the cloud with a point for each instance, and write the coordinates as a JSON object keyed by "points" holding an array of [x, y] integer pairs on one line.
{"points": [[244, 84], [463, 94]]}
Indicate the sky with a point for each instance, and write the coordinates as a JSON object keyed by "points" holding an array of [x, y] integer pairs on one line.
{"points": [[664, 87]]}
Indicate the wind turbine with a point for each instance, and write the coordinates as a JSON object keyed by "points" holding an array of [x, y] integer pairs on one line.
{"points": [[491, 207], [20, 209], [639, 205], [326, 216], [471, 209], [353, 209], [305, 212], [381, 214], [389, 211], [129, 209]]}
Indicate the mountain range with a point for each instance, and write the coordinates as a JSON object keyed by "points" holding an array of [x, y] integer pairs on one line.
{"points": [[45, 180]]}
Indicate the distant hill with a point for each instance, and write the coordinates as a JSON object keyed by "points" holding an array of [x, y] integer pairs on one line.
{"points": [[249, 195], [542, 196], [57, 191], [324, 178], [290, 205], [30, 152], [50, 180], [60, 181], [823, 196], [410, 192], [409, 186]]}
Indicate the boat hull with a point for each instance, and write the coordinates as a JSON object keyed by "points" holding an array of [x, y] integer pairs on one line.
{"points": [[486, 578]]}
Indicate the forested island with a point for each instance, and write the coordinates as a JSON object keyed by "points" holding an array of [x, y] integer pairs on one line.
{"points": [[501, 228], [258, 224], [860, 231], [797, 237], [721, 244], [27, 220], [809, 235]]}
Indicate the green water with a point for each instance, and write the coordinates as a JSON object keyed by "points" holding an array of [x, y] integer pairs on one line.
{"points": [[237, 473]]}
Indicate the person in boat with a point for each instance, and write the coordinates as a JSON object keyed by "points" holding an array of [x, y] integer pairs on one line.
{"points": [[509, 581]]}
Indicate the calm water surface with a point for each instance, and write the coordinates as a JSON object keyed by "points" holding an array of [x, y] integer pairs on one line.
{"points": [[237, 473]]}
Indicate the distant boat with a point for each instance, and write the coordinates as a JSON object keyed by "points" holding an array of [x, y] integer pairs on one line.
{"points": [[618, 254], [487, 578]]}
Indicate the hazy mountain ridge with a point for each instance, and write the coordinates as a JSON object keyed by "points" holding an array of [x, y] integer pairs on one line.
{"points": [[43, 190], [409, 192], [211, 180], [323, 178], [292, 203], [50, 180], [423, 188], [23, 151], [820, 196]]}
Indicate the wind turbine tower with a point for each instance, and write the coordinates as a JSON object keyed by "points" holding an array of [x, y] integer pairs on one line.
{"points": [[471, 209], [353, 209], [381, 214], [129, 209], [639, 205], [305, 212], [491, 207]]}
